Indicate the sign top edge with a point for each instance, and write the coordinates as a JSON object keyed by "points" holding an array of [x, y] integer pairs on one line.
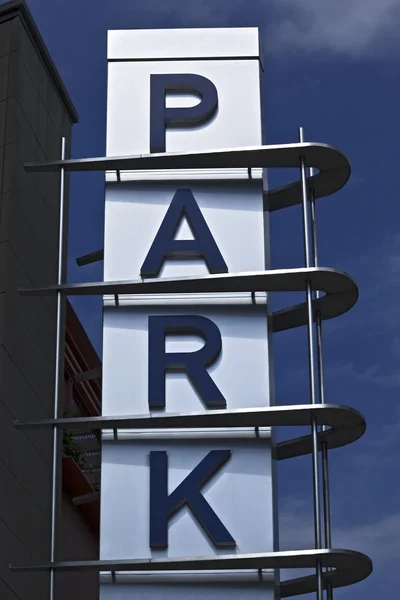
{"points": [[183, 44]]}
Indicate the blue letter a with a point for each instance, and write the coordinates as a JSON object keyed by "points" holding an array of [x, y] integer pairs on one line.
{"points": [[164, 246]]}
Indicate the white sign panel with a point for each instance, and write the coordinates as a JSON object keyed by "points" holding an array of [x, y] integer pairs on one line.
{"points": [[185, 493]]}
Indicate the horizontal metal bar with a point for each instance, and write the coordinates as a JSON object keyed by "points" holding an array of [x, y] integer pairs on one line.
{"points": [[346, 424], [333, 166], [347, 566], [86, 498], [88, 259], [341, 292], [183, 58], [330, 281], [291, 416], [88, 375], [252, 578]]}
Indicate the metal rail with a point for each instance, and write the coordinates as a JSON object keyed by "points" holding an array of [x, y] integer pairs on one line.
{"points": [[333, 166], [341, 292], [347, 566], [343, 425], [58, 379]]}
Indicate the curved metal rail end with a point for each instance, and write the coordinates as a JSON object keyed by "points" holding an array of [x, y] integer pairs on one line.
{"points": [[348, 567]]}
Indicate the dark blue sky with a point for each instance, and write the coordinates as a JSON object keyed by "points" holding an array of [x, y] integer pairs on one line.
{"points": [[332, 67]]}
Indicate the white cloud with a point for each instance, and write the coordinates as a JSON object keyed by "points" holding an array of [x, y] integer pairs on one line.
{"points": [[349, 27], [378, 538], [377, 272], [355, 28], [375, 374]]}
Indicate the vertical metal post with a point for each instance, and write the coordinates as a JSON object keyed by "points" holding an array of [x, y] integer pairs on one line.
{"points": [[57, 380], [310, 321], [324, 447]]}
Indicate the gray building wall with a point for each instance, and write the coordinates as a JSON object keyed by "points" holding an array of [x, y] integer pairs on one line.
{"points": [[78, 543], [35, 112]]}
